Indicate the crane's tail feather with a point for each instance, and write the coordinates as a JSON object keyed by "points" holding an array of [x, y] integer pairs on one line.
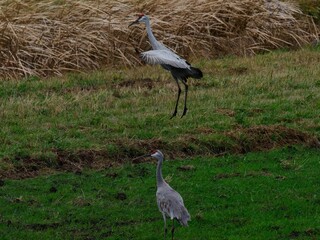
{"points": [[185, 217], [196, 73]]}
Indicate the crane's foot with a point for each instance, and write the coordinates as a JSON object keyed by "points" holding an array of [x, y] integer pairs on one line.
{"points": [[184, 112], [165, 233], [174, 114]]}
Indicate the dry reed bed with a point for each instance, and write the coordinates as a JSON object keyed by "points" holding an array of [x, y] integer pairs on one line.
{"points": [[51, 37]]}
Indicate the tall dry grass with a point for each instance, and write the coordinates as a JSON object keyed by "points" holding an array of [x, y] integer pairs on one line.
{"points": [[51, 37]]}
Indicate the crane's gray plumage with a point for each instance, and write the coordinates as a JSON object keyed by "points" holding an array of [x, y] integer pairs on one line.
{"points": [[180, 69], [164, 57], [170, 203]]}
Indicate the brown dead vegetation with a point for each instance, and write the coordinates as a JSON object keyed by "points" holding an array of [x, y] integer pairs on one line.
{"points": [[51, 37], [241, 140], [263, 172]]}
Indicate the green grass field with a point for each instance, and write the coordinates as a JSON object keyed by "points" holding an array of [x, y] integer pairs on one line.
{"points": [[251, 137], [271, 195]]}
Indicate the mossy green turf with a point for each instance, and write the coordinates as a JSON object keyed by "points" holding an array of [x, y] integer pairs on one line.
{"points": [[100, 109], [266, 195]]}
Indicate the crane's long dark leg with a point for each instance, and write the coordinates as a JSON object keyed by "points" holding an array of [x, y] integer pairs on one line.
{"points": [[178, 96], [185, 109], [165, 226], [172, 230]]}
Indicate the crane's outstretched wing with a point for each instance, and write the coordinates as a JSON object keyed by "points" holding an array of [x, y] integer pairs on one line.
{"points": [[164, 57]]}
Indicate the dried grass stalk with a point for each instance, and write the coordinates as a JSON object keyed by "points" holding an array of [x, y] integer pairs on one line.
{"points": [[51, 37]]}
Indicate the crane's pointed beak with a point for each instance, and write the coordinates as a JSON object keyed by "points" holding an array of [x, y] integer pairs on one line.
{"points": [[143, 156], [135, 22]]}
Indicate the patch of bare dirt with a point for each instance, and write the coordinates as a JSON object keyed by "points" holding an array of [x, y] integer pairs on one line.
{"points": [[138, 83], [310, 233], [227, 175], [41, 227], [186, 168], [238, 70], [236, 141], [262, 172], [261, 138], [232, 113], [204, 130], [226, 112]]}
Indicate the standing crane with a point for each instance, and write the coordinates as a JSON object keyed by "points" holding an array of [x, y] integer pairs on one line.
{"points": [[180, 69], [169, 201]]}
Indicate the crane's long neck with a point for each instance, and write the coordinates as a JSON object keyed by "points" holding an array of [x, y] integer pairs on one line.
{"points": [[160, 180], [154, 43]]}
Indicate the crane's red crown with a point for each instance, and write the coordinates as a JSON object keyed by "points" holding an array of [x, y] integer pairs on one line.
{"points": [[140, 15], [153, 152]]}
